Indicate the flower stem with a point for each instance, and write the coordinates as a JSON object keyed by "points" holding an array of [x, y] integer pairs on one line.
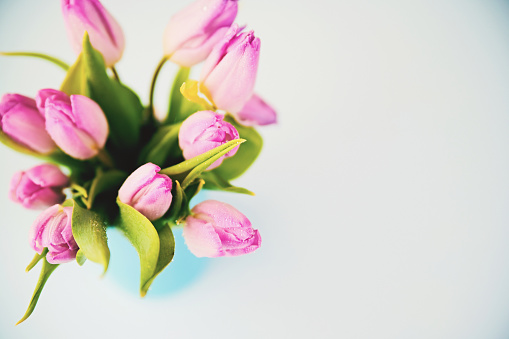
{"points": [[115, 74], [153, 84], [105, 158]]}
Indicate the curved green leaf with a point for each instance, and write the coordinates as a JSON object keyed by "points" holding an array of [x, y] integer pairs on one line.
{"points": [[89, 231], [121, 106], [214, 181], [80, 257], [166, 252], [176, 203], [46, 271], [145, 239], [49, 58], [36, 260], [235, 166], [198, 164]]}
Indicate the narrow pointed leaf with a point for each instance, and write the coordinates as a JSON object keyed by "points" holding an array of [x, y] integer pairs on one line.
{"points": [[75, 81], [144, 238], [80, 258], [89, 231], [166, 252], [49, 58], [46, 271], [36, 260], [176, 204], [235, 166], [187, 166], [214, 181]]}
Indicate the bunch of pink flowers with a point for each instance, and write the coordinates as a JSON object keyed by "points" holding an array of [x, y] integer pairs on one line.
{"points": [[110, 163]]}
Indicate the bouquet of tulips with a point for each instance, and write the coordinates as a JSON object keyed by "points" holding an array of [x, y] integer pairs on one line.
{"points": [[109, 162]]}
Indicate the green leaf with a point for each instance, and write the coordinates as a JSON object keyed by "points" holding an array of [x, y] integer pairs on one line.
{"points": [[89, 231], [36, 260], [46, 271], [166, 252], [190, 169], [80, 258], [145, 239], [105, 181], [162, 145], [121, 106], [214, 181], [176, 203], [49, 58], [193, 188], [235, 166], [175, 95]]}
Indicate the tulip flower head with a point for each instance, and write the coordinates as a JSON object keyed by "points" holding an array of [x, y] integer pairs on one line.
{"points": [[216, 229], [104, 32], [77, 123], [229, 73], [52, 229], [147, 191], [22, 122], [192, 33], [39, 187], [203, 131]]}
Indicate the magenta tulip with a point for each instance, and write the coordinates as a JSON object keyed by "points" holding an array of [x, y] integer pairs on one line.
{"points": [[216, 229], [229, 73], [256, 112], [192, 33], [203, 131], [147, 191], [103, 30], [52, 229], [39, 187], [22, 122], [77, 123]]}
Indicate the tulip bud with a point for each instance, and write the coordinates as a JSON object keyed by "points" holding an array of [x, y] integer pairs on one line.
{"points": [[203, 131], [52, 229], [22, 122], [256, 112], [104, 32], [229, 73], [216, 229], [77, 124], [39, 187], [192, 33], [147, 191]]}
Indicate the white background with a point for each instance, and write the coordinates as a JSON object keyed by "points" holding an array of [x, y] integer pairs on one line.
{"points": [[382, 193]]}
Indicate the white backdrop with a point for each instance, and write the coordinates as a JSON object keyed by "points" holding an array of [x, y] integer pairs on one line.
{"points": [[381, 195]]}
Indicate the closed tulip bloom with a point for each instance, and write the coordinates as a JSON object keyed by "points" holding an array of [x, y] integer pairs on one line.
{"points": [[39, 187], [256, 112], [229, 73], [192, 33], [203, 131], [103, 30], [147, 191], [22, 122], [52, 229], [216, 229], [77, 124]]}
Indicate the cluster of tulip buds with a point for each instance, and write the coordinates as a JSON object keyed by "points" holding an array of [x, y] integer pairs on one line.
{"points": [[109, 162]]}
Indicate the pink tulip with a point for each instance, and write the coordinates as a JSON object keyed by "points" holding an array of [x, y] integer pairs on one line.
{"points": [[229, 73], [192, 33], [52, 229], [22, 122], [216, 229], [256, 112], [203, 131], [39, 187], [104, 32], [147, 191], [77, 124]]}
